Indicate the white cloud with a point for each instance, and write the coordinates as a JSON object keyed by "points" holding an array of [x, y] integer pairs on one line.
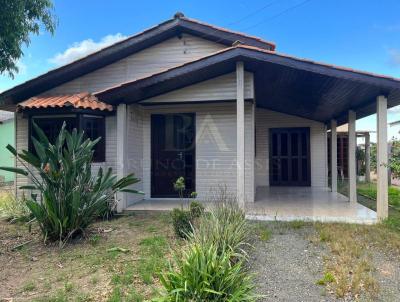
{"points": [[22, 68], [394, 57], [80, 49]]}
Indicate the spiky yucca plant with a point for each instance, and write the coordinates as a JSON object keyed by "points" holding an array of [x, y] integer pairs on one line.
{"points": [[66, 198]]}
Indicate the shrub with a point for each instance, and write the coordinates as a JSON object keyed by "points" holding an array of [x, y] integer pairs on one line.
{"points": [[203, 274], [70, 197], [14, 209], [181, 220], [212, 267], [196, 209], [225, 225]]}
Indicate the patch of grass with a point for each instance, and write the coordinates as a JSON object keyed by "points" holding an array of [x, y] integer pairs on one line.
{"points": [[152, 252], [369, 190], [151, 229], [349, 270], [116, 295], [296, 224], [68, 287], [263, 232], [28, 287], [95, 279], [94, 239], [134, 296], [125, 277], [368, 199], [60, 296], [327, 278]]}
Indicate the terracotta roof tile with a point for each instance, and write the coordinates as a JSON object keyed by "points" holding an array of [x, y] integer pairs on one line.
{"points": [[82, 100]]}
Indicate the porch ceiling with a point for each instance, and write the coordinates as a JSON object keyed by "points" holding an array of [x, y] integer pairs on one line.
{"points": [[282, 83]]}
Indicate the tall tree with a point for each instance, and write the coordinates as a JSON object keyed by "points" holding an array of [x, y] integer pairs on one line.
{"points": [[18, 20]]}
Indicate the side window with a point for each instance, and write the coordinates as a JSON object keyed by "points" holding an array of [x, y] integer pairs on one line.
{"points": [[51, 127], [94, 127]]}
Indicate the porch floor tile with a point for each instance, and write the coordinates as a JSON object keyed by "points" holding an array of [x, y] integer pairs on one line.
{"points": [[306, 203], [285, 204]]}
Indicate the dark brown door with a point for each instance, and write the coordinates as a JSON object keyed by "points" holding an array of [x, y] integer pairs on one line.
{"points": [[173, 149], [289, 159]]}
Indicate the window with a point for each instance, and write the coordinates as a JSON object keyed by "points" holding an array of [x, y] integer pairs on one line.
{"points": [[93, 127]]}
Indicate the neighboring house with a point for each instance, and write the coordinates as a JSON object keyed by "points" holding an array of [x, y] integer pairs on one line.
{"points": [[7, 136], [185, 98]]}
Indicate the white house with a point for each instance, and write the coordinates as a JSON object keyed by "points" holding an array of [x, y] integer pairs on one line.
{"points": [[185, 98]]}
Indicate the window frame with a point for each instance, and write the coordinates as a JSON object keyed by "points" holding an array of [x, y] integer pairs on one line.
{"points": [[100, 156]]}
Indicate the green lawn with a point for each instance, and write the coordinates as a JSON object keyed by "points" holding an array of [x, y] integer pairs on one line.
{"points": [[367, 197]]}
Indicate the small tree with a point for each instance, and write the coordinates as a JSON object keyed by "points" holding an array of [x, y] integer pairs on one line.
{"points": [[395, 158], [20, 19], [70, 197]]}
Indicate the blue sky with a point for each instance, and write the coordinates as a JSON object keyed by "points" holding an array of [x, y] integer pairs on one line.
{"points": [[354, 33]]}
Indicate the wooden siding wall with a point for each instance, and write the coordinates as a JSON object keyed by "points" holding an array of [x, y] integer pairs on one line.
{"points": [[215, 148], [167, 54], [266, 119], [218, 89], [135, 148]]}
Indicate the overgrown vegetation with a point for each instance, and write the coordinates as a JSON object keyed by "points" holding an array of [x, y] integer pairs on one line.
{"points": [[13, 209], [212, 266], [65, 197], [183, 220], [349, 271]]}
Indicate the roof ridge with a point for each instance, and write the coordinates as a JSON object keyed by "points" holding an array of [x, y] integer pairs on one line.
{"points": [[272, 44]]}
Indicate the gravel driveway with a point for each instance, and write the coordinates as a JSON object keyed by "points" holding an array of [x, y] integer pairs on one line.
{"points": [[287, 266]]}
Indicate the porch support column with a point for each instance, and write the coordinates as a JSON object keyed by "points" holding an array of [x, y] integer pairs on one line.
{"points": [[240, 133], [333, 156], [367, 158], [382, 158], [352, 157], [121, 152]]}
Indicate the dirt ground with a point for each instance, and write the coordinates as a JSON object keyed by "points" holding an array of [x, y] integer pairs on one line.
{"points": [[119, 260], [113, 263], [298, 260]]}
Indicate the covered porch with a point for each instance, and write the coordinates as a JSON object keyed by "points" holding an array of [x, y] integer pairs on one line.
{"points": [[284, 204], [307, 204], [326, 95]]}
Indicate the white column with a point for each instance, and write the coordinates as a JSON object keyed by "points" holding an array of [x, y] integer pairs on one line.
{"points": [[334, 155], [121, 151], [367, 158], [352, 157], [382, 158], [240, 133]]}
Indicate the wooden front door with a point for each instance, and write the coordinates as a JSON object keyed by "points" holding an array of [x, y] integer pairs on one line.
{"points": [[289, 157], [173, 147]]}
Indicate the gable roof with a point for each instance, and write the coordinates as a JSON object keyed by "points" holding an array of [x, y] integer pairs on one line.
{"points": [[283, 83], [170, 28]]}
